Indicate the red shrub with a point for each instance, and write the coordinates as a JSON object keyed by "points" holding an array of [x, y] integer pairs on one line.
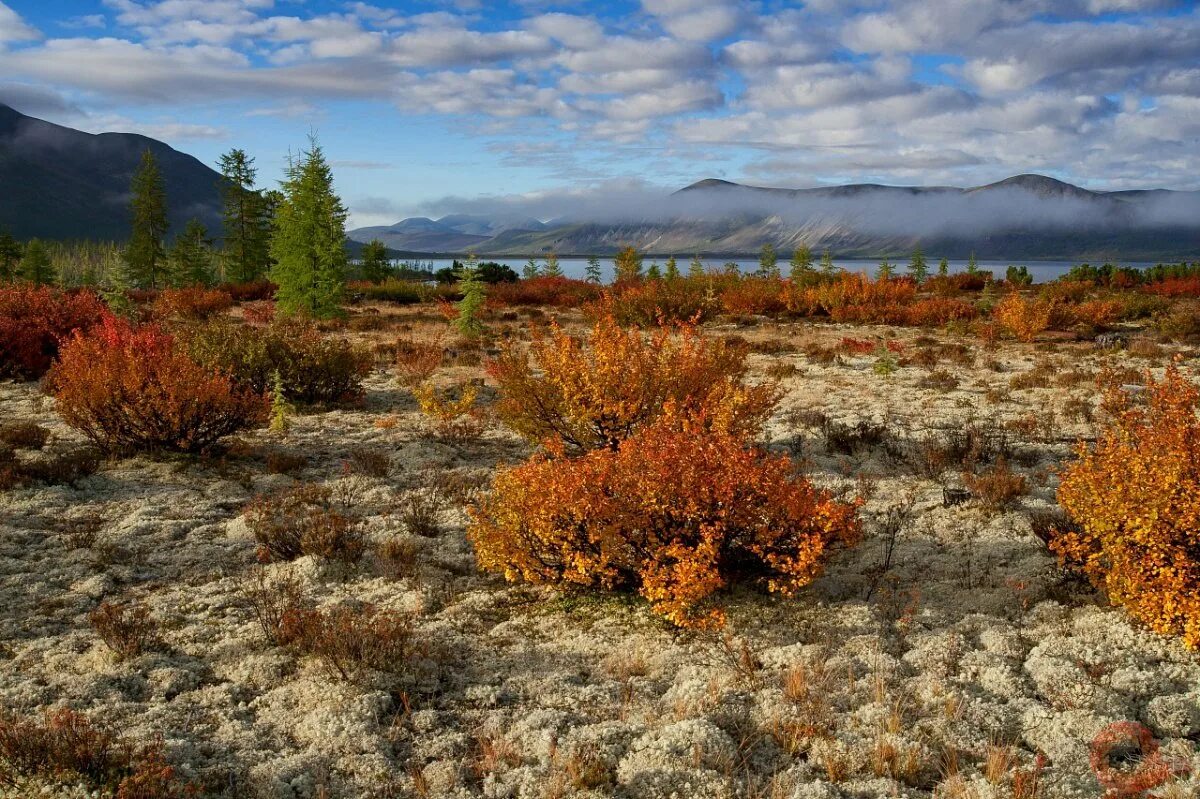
{"points": [[1176, 287], [936, 312], [857, 299], [129, 388], [560, 292], [33, 320], [254, 291], [754, 295], [1097, 313], [195, 302]]}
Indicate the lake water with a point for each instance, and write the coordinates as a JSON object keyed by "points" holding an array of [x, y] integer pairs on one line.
{"points": [[1042, 271]]}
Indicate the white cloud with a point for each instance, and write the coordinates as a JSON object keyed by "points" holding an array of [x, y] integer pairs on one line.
{"points": [[15, 29]]}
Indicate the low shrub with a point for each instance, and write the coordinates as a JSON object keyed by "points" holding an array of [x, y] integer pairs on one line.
{"points": [[306, 519], [252, 291], [452, 413], [1134, 499], [400, 292], [1175, 287], [1097, 313], [997, 485], [655, 302], [416, 360], [348, 641], [754, 295], [23, 435], [126, 628], [195, 302], [584, 396], [856, 299], [34, 321], [559, 292], [1022, 317], [312, 367], [66, 746], [939, 311], [675, 513], [133, 388]]}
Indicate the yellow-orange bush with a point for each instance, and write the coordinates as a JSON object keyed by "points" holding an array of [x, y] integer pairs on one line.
{"points": [[1022, 317], [587, 395], [1135, 502], [675, 513]]}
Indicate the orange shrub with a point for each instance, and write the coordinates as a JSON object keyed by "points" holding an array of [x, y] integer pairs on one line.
{"points": [[653, 302], [560, 292], [675, 513], [34, 320], [754, 295], [195, 302], [1175, 287], [254, 291], [857, 299], [584, 397], [1134, 500], [1097, 313], [1022, 317], [935, 312], [1070, 290], [128, 388]]}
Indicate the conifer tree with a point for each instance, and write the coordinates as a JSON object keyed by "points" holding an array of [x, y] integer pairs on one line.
{"points": [[474, 295], [827, 267], [768, 261], [592, 271], [375, 266], [146, 254], [654, 273], [972, 265], [247, 219], [696, 267], [35, 264], [885, 270], [801, 262], [943, 268], [191, 256], [531, 270], [628, 264], [309, 243], [552, 267], [917, 266], [672, 271], [10, 257]]}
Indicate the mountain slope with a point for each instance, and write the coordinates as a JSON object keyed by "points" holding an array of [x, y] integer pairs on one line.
{"points": [[1024, 217], [61, 183]]}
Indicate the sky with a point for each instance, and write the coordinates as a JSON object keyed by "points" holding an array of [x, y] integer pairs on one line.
{"points": [[426, 104]]}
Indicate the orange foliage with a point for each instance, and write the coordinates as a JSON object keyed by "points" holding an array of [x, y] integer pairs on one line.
{"points": [[1022, 317], [1135, 502], [560, 292], [584, 397], [1176, 287], [195, 302], [939, 311], [754, 295], [857, 299], [33, 321], [652, 302], [675, 513], [129, 388], [1097, 313]]}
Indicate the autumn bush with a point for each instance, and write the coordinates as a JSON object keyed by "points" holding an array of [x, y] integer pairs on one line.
{"points": [[1134, 499], [350, 641], [583, 395], [194, 302], [312, 367], [559, 292], [939, 311], [252, 291], [35, 320], [675, 513], [653, 302], [754, 295], [132, 388], [306, 519], [1175, 287], [1096, 313], [855, 298], [1023, 317]]}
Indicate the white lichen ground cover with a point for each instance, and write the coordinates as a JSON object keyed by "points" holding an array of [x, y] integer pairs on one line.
{"points": [[971, 642]]}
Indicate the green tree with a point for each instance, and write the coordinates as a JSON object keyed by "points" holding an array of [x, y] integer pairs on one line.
{"points": [[592, 272], [474, 295], [943, 268], [885, 270], [654, 273], [768, 261], [827, 267], [696, 267], [552, 267], [309, 244], [191, 256], [917, 266], [146, 253], [247, 219], [801, 262], [10, 257], [628, 264], [972, 265], [530, 270], [35, 264], [672, 272], [375, 264]]}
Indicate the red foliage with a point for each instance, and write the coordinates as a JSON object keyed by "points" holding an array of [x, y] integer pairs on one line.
{"points": [[33, 321], [754, 295], [128, 388], [935, 312], [1175, 287], [857, 299], [255, 290], [560, 292], [194, 302]]}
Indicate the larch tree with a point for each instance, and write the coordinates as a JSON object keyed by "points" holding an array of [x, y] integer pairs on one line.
{"points": [[552, 267], [917, 266], [146, 253], [592, 271], [35, 264], [768, 261], [192, 256], [696, 267], [246, 219], [375, 265], [628, 264], [672, 270], [309, 241], [801, 262]]}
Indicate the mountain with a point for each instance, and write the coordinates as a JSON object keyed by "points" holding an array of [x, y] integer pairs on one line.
{"points": [[1026, 217], [61, 183]]}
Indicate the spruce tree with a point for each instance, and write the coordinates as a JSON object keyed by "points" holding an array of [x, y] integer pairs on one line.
{"points": [[801, 262], [191, 256], [768, 261], [35, 264], [654, 273], [552, 267], [309, 243], [247, 219], [827, 267], [972, 265], [375, 267], [474, 295], [592, 272], [10, 257], [672, 271], [530, 270], [917, 266], [885, 270], [696, 267], [146, 254]]}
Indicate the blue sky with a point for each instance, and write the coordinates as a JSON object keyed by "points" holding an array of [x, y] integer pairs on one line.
{"points": [[430, 105]]}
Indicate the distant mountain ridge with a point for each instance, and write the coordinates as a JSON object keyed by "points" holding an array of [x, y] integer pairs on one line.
{"points": [[1022, 217], [61, 183]]}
